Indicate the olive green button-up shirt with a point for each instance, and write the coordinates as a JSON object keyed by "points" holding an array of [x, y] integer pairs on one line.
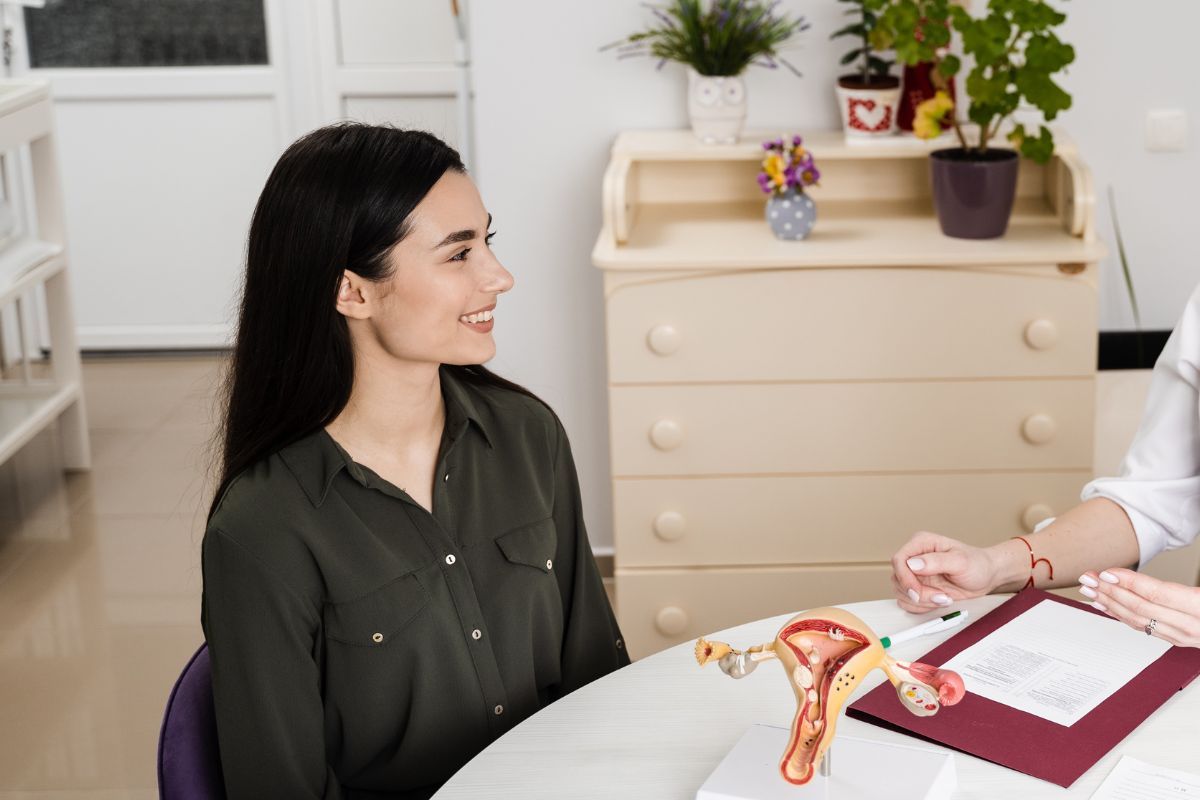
{"points": [[363, 647]]}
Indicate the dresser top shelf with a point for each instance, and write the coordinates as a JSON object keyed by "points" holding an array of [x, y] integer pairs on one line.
{"points": [[673, 203], [716, 236], [682, 145]]}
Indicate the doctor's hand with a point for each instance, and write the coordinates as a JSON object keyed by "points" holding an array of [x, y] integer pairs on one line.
{"points": [[932, 571], [1136, 599]]}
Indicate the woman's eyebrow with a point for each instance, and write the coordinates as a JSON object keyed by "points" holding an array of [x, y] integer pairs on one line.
{"points": [[465, 235]]}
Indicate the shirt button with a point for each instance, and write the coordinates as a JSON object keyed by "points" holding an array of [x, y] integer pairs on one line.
{"points": [[549, 564], [450, 559], [499, 710], [620, 645], [376, 637], [477, 634], [446, 477]]}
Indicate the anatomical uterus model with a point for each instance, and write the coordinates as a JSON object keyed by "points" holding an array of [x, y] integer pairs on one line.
{"points": [[826, 653]]}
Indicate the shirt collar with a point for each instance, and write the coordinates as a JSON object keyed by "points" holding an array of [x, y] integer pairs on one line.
{"points": [[316, 459]]}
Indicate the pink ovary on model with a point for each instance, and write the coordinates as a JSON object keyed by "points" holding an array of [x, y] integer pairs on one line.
{"points": [[826, 653]]}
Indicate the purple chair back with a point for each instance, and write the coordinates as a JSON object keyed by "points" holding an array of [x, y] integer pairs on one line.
{"points": [[189, 764]]}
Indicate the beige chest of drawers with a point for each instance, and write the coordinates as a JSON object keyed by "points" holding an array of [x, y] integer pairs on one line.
{"points": [[785, 414]]}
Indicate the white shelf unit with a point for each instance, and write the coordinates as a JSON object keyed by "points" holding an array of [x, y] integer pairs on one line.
{"points": [[38, 258]]}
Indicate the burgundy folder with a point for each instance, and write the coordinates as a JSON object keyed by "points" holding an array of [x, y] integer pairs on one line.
{"points": [[1020, 740]]}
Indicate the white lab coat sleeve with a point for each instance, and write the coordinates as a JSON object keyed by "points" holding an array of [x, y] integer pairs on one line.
{"points": [[1159, 481]]}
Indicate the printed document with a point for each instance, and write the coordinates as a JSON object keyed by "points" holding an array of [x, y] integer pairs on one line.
{"points": [[1132, 779], [1055, 661]]}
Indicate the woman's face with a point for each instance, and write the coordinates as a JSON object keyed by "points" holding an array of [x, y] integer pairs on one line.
{"points": [[437, 306]]}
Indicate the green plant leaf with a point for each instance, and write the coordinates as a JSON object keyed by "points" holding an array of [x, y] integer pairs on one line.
{"points": [[1041, 90], [857, 29], [949, 66], [1039, 148], [851, 56]]}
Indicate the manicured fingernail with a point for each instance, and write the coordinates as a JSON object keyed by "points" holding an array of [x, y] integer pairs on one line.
{"points": [[1088, 580], [1086, 592], [1100, 606], [1108, 576], [941, 600], [916, 563], [916, 598]]}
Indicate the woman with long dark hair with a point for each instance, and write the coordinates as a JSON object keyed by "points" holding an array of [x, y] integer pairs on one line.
{"points": [[396, 569]]}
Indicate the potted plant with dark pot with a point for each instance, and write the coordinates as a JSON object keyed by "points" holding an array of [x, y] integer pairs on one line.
{"points": [[869, 97], [1016, 54], [716, 40]]}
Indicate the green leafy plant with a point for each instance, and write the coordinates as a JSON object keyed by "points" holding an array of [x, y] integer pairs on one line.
{"points": [[1016, 54], [869, 66], [721, 39], [918, 31]]}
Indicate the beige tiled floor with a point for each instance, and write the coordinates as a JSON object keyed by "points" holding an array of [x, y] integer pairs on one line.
{"points": [[100, 577], [100, 583]]}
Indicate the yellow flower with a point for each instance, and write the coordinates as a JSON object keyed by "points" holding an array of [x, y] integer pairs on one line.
{"points": [[927, 119], [926, 127], [773, 166]]}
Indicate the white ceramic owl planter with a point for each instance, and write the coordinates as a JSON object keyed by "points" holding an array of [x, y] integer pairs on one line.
{"points": [[717, 107]]}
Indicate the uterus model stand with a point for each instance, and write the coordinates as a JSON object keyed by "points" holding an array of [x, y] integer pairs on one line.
{"points": [[826, 653]]}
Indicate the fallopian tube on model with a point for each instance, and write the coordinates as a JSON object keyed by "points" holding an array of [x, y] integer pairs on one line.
{"points": [[826, 653]]}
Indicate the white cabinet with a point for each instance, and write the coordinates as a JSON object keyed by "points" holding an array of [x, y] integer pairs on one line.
{"points": [[784, 414]]}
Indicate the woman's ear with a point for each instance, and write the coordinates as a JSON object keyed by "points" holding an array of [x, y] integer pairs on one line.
{"points": [[351, 302]]}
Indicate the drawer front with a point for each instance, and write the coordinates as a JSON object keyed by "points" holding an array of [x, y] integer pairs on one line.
{"points": [[824, 519], [848, 324], [661, 608], [859, 427]]}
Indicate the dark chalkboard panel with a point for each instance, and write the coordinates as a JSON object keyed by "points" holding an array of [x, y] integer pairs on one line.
{"points": [[146, 33]]}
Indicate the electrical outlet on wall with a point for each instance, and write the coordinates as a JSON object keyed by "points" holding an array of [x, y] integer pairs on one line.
{"points": [[1166, 130]]}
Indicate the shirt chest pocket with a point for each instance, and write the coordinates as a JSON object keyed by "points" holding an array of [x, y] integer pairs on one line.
{"points": [[377, 618], [531, 545]]}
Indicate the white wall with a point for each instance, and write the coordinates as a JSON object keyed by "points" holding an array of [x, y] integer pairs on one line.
{"points": [[547, 106]]}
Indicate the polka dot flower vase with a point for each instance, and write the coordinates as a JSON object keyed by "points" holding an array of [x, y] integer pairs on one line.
{"points": [[791, 215], [787, 168]]}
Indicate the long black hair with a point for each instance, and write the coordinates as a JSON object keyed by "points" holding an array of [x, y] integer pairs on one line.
{"points": [[338, 199]]}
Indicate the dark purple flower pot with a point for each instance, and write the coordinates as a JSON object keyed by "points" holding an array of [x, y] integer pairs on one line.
{"points": [[973, 193]]}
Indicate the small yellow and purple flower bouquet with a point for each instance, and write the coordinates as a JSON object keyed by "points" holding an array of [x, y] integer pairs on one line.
{"points": [[786, 167], [786, 170]]}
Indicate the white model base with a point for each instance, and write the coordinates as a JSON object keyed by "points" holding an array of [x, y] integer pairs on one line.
{"points": [[862, 770]]}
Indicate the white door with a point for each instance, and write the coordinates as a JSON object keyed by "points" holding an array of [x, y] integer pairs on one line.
{"points": [[171, 114]]}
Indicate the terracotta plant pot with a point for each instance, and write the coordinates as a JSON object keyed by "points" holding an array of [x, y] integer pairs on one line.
{"points": [[973, 193], [869, 110], [716, 107]]}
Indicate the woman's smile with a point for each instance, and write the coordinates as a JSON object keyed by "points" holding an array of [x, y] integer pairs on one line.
{"points": [[479, 321]]}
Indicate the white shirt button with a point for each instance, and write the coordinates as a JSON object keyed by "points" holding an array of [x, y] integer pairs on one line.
{"points": [[549, 564], [450, 559], [499, 710], [377, 638], [446, 478], [477, 634]]}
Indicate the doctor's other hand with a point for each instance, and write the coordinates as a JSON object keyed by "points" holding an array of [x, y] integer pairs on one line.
{"points": [[932, 571], [1135, 599]]}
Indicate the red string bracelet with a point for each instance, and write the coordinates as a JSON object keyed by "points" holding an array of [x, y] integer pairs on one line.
{"points": [[1033, 562]]}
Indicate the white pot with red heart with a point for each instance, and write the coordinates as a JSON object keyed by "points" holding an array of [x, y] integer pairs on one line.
{"points": [[716, 106], [868, 107]]}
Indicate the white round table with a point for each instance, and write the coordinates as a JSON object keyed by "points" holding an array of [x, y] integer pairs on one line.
{"points": [[657, 728]]}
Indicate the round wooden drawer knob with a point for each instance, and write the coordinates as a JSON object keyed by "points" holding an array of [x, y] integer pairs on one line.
{"points": [[1039, 429], [1035, 514], [1041, 334], [671, 621], [666, 434], [669, 526], [663, 339]]}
